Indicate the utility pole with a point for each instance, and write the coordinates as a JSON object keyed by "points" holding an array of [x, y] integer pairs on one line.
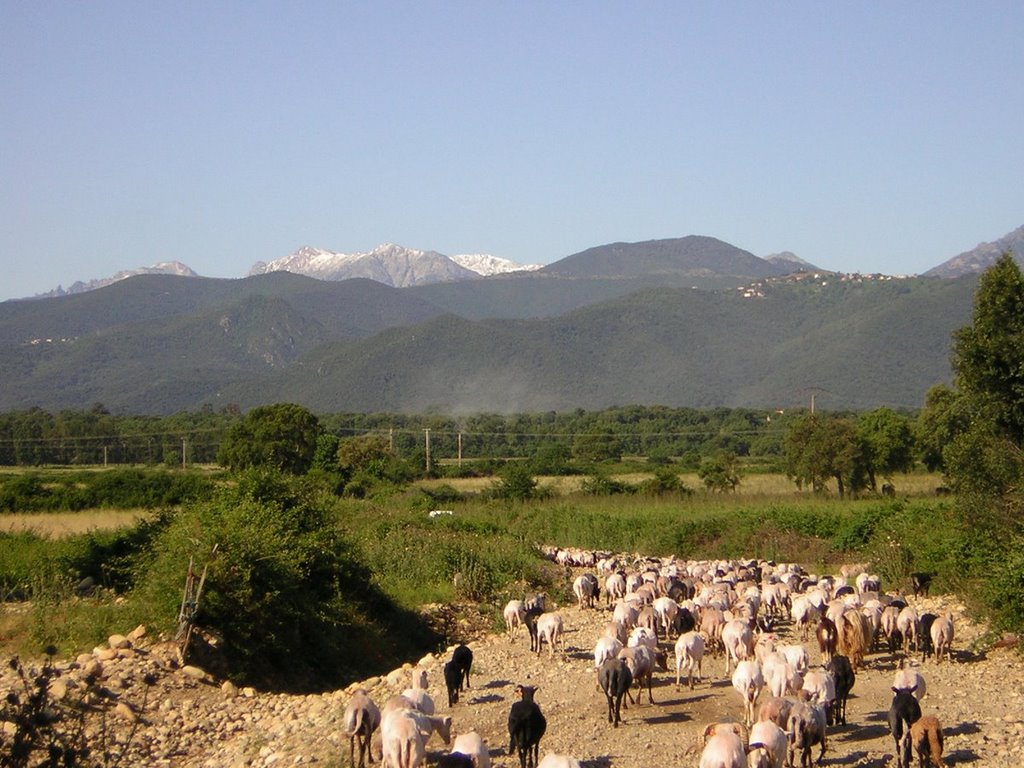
{"points": [[460, 449], [426, 434], [812, 403]]}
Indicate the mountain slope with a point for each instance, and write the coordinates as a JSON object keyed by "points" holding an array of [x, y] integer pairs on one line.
{"points": [[79, 286], [692, 255], [858, 346], [981, 257]]}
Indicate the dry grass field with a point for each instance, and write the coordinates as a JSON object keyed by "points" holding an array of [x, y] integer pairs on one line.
{"points": [[57, 524]]}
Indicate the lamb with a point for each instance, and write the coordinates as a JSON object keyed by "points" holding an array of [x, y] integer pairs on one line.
{"points": [[473, 746], [903, 713], [805, 728], [515, 617], [926, 736], [533, 615], [418, 695], [551, 760], [768, 745], [549, 630], [723, 746], [748, 682], [942, 637], [362, 718], [615, 679], [689, 653], [526, 726]]}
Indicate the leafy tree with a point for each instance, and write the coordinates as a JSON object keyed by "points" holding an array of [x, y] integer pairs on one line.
{"points": [[944, 416], [282, 436], [819, 448], [597, 447], [988, 355], [515, 483], [720, 472], [887, 439]]}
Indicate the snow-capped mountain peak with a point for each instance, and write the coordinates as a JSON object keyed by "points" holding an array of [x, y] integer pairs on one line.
{"points": [[161, 268], [388, 263], [485, 264]]}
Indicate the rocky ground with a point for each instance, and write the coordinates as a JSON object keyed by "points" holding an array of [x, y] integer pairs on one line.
{"points": [[180, 716]]}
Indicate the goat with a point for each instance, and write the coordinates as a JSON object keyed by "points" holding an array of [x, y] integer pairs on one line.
{"points": [[616, 679], [526, 726], [828, 636], [903, 713]]}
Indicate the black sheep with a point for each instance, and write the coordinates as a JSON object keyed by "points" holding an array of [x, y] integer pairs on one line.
{"points": [[616, 680], [844, 676], [526, 726], [456, 673], [903, 713], [455, 760], [927, 649]]}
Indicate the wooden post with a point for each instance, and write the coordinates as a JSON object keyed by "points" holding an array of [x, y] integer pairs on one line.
{"points": [[184, 447], [460, 450], [426, 434]]}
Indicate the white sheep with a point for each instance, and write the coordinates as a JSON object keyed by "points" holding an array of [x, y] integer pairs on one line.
{"points": [[908, 622], [362, 718], [738, 641], [770, 740], [418, 695], [549, 630], [665, 610], [796, 655], [626, 614], [642, 636], [515, 617], [820, 688], [779, 675], [473, 746], [942, 637], [551, 760], [689, 653], [723, 746], [402, 744], [748, 681], [910, 680], [614, 587]]}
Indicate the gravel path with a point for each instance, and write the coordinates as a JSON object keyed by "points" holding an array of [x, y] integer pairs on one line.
{"points": [[191, 720]]}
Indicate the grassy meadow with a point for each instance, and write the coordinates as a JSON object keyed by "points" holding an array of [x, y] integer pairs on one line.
{"points": [[484, 553]]}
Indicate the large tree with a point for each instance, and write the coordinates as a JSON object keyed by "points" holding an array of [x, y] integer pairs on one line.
{"points": [[282, 436], [819, 448], [988, 355], [887, 439]]}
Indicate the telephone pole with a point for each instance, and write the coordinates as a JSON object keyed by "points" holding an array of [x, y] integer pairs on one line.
{"points": [[426, 435]]}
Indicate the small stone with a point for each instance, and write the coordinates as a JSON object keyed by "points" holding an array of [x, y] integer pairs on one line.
{"points": [[125, 712], [229, 689], [58, 689], [138, 633], [119, 641], [249, 692]]}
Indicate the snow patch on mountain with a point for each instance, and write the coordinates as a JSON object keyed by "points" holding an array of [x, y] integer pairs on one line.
{"points": [[486, 265]]}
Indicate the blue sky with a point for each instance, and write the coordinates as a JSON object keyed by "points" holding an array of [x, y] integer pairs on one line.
{"points": [[862, 136]]}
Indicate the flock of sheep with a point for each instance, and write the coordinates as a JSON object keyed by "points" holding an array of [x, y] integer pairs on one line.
{"points": [[727, 608]]}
